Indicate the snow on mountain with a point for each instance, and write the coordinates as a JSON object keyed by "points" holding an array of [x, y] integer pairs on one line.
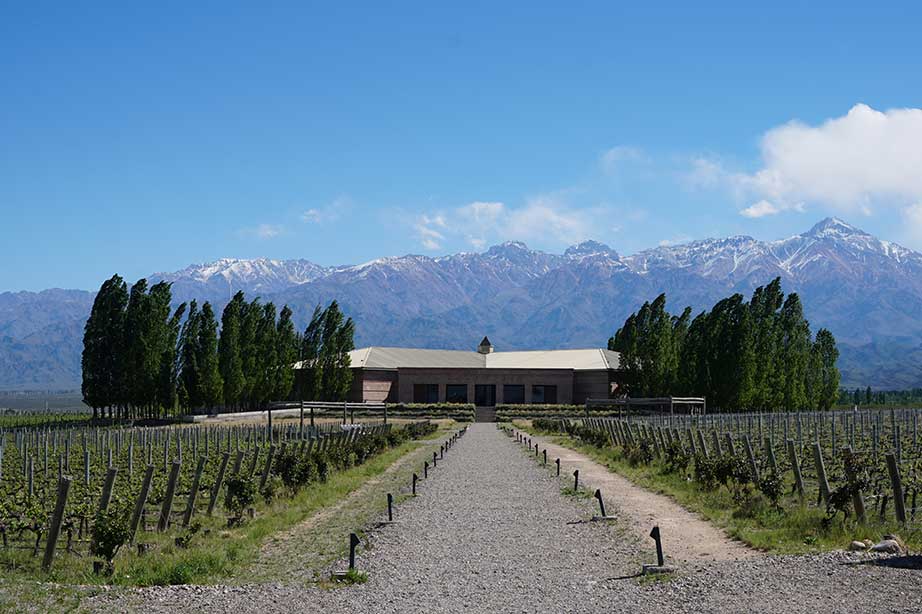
{"points": [[867, 291]]}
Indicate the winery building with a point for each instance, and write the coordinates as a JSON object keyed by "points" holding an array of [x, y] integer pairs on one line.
{"points": [[483, 377]]}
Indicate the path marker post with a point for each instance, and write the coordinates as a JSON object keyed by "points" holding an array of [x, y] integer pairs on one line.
{"points": [[425, 470], [545, 457], [603, 515], [660, 567], [576, 479], [558, 467], [415, 478], [390, 507]]}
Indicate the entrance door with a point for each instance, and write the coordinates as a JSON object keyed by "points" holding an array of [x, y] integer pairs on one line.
{"points": [[485, 395]]}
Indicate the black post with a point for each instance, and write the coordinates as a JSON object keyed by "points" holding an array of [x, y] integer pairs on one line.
{"points": [[441, 452], [434, 459], [576, 479], [353, 542], [659, 546], [425, 470], [545, 457], [598, 495], [536, 449], [390, 507], [415, 478], [558, 467]]}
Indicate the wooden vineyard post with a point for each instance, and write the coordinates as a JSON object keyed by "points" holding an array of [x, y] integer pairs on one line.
{"points": [[107, 489], [164, 522], [57, 519], [857, 497], [219, 481], [141, 501], [193, 493], [268, 467], [898, 501], [753, 465], [821, 472], [795, 466]]}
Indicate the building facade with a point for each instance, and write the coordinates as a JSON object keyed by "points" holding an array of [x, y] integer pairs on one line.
{"points": [[483, 377]]}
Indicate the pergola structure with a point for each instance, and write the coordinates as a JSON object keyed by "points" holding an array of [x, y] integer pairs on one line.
{"points": [[690, 405]]}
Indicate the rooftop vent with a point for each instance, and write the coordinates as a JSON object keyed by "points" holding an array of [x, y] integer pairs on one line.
{"points": [[485, 346]]}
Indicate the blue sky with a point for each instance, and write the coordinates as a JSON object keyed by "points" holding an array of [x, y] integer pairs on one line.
{"points": [[142, 139]]}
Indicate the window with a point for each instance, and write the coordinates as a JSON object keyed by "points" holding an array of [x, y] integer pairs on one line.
{"points": [[425, 393], [456, 393], [546, 395], [514, 394]]}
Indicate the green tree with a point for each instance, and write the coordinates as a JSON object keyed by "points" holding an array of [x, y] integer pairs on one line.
{"points": [[795, 348], [210, 384], [230, 360], [190, 395], [286, 354], [102, 346], [825, 357]]}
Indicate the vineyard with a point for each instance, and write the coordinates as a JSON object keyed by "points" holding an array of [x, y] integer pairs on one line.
{"points": [[72, 496], [834, 470]]}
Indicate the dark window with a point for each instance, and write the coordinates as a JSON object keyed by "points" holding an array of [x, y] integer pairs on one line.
{"points": [[456, 393], [425, 393], [546, 395], [514, 394], [485, 395]]}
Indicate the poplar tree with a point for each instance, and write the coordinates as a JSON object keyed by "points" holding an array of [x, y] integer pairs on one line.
{"points": [[102, 347], [230, 360], [795, 348], [210, 384], [190, 389], [286, 354]]}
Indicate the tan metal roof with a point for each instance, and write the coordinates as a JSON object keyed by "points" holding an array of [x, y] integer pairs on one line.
{"points": [[594, 359]]}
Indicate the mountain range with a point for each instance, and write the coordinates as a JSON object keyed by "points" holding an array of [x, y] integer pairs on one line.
{"points": [[867, 291]]}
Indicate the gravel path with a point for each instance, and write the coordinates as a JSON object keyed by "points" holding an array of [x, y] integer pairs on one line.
{"points": [[687, 538], [491, 532]]}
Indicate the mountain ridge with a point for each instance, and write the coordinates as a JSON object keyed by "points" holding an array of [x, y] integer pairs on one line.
{"points": [[526, 298]]}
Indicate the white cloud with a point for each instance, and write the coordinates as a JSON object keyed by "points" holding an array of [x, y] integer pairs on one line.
{"points": [[675, 241], [912, 223], [545, 220], [612, 160], [857, 162], [764, 208], [426, 230], [262, 231], [327, 213]]}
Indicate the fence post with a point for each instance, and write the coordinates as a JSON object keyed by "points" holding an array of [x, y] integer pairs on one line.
{"points": [[821, 471], [857, 497], [219, 481], [265, 475], [107, 489], [898, 501], [193, 494], [753, 465], [57, 519], [164, 523], [795, 466], [141, 502]]}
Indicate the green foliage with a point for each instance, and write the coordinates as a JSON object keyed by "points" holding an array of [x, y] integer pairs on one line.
{"points": [[109, 533], [676, 459], [640, 453], [325, 374], [755, 355], [241, 494], [771, 484]]}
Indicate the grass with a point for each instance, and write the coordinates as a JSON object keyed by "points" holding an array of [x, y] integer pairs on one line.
{"points": [[793, 527], [215, 552]]}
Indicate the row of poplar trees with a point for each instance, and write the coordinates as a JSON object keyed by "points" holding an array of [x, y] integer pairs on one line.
{"points": [[142, 358], [755, 355]]}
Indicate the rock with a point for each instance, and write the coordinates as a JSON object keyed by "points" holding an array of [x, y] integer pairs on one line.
{"points": [[888, 546], [857, 546]]}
